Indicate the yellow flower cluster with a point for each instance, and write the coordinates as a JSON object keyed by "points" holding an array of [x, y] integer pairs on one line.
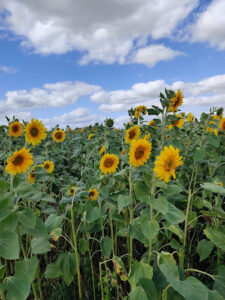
{"points": [[140, 110]]}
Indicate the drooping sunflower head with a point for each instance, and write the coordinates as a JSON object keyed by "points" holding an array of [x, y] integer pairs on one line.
{"points": [[147, 136], [166, 163], [58, 135], [178, 123], [48, 166], [176, 101], [93, 194], [90, 136], [132, 134], [71, 191], [15, 129], [109, 163], [190, 117], [141, 109], [101, 150], [139, 152], [35, 132], [19, 162], [222, 124], [151, 123]]}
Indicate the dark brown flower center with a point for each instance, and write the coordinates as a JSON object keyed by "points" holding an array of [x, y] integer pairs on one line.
{"points": [[72, 191], [15, 128], [34, 131], [58, 135], [18, 160], [169, 165], [46, 166], [223, 125], [108, 162], [131, 134], [139, 152], [91, 194]]}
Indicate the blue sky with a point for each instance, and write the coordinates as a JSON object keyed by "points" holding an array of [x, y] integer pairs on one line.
{"points": [[77, 62]]}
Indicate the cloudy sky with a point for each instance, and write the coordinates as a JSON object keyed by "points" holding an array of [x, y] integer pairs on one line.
{"points": [[78, 62]]}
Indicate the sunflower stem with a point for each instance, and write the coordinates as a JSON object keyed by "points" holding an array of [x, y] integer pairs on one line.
{"points": [[131, 216]]}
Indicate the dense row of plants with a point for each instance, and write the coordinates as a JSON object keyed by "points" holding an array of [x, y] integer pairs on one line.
{"points": [[106, 213]]}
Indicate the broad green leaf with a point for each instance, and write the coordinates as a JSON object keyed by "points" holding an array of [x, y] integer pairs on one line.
{"points": [[39, 230], [149, 288], [52, 271], [168, 267], [219, 284], [67, 264], [40, 245], [176, 230], [47, 198], [214, 188], [27, 217], [138, 294], [204, 248], [199, 155], [139, 270], [93, 214], [173, 189], [9, 223], [141, 192], [53, 222], [9, 245], [150, 229], [215, 236], [106, 246], [174, 215], [160, 204], [83, 245], [17, 286], [4, 186], [27, 267], [6, 204], [123, 201]]}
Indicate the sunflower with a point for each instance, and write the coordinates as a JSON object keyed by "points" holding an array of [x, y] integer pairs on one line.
{"points": [[167, 162], [132, 134], [58, 135], [35, 132], [102, 150], [139, 152], [15, 129], [109, 163], [178, 123], [151, 123], [141, 109], [190, 117], [216, 117], [210, 129], [176, 101], [20, 162], [71, 191], [90, 136], [48, 165], [219, 183], [93, 194], [222, 124], [147, 136], [30, 176]]}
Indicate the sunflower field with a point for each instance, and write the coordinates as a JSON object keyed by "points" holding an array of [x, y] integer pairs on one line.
{"points": [[106, 213]]}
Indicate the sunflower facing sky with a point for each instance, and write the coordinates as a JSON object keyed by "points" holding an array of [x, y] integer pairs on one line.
{"points": [[35, 132], [19, 162], [109, 163], [15, 129], [176, 101], [93, 194], [132, 134], [222, 124], [48, 166], [139, 152], [58, 135], [166, 163]]}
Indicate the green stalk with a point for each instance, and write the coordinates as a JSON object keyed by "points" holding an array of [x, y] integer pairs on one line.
{"points": [[92, 268], [2, 293], [151, 219], [100, 278], [111, 228], [39, 285], [131, 217], [76, 251], [185, 228]]}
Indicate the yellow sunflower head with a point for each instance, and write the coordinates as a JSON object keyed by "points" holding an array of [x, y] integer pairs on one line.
{"points": [[178, 123], [147, 136], [35, 132], [166, 163], [109, 163], [58, 135], [176, 101], [71, 191], [30, 176], [15, 129], [102, 150], [222, 124], [151, 123], [93, 194], [90, 136], [139, 152], [132, 134], [48, 166], [19, 162], [219, 183], [190, 117], [216, 117]]}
